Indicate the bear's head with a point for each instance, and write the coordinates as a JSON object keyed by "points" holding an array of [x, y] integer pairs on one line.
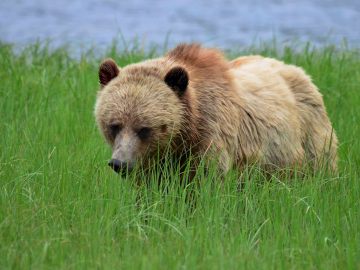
{"points": [[139, 110]]}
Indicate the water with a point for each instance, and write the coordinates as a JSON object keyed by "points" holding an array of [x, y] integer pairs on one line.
{"points": [[223, 23]]}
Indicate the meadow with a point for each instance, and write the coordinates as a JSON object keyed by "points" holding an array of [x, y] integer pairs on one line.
{"points": [[62, 207]]}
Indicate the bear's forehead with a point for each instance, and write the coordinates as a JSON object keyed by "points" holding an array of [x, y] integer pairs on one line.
{"points": [[140, 92], [137, 117], [140, 86], [156, 68], [130, 101], [142, 71]]}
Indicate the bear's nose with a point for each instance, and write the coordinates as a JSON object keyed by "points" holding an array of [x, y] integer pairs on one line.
{"points": [[119, 166]]}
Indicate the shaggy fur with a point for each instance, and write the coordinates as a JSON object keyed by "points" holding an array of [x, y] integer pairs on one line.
{"points": [[249, 110]]}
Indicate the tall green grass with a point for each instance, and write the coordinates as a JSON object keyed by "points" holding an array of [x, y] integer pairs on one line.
{"points": [[62, 207]]}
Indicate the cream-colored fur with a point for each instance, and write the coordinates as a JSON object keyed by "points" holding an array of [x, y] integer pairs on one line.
{"points": [[249, 110], [286, 112]]}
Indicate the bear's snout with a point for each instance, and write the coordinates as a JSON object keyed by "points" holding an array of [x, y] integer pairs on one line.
{"points": [[120, 166]]}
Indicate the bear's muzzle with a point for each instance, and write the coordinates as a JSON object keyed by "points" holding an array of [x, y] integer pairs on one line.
{"points": [[120, 167]]}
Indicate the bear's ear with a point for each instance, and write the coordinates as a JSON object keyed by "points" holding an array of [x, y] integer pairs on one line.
{"points": [[108, 70], [177, 79]]}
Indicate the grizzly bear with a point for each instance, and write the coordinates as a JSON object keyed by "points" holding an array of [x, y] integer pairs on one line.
{"points": [[252, 110]]}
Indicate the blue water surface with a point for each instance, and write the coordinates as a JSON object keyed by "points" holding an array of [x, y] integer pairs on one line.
{"points": [[222, 23]]}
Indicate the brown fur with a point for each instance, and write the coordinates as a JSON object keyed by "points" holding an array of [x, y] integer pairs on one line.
{"points": [[244, 60], [249, 110]]}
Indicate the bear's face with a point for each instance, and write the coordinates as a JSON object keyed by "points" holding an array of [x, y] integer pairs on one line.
{"points": [[138, 115]]}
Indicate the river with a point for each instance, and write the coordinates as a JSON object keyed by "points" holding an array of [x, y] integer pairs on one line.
{"points": [[223, 23]]}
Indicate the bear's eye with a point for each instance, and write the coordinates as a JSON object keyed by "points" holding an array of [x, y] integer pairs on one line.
{"points": [[144, 133], [114, 129]]}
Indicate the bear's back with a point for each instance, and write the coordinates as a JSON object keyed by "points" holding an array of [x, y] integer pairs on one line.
{"points": [[274, 87]]}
